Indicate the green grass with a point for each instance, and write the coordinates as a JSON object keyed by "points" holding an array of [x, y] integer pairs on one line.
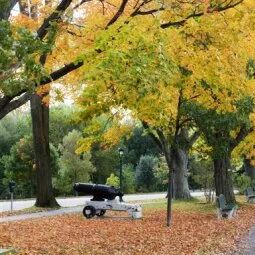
{"points": [[190, 205], [193, 205]]}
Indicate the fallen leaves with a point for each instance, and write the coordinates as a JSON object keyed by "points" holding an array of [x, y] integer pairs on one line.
{"points": [[191, 233]]}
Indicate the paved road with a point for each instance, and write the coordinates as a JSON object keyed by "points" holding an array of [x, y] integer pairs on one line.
{"points": [[76, 201], [66, 210], [247, 245]]}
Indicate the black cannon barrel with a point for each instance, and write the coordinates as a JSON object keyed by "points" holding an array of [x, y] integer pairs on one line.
{"points": [[99, 191]]}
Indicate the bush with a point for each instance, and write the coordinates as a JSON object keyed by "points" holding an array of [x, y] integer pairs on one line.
{"points": [[242, 182], [113, 180], [129, 180], [202, 174], [145, 179]]}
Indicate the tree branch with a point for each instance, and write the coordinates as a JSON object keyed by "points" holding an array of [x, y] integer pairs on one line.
{"points": [[79, 4], [193, 15], [147, 12], [181, 123], [193, 138], [152, 11], [164, 146], [118, 13], [55, 16], [61, 72], [6, 103], [137, 9], [154, 138], [240, 137], [14, 104]]}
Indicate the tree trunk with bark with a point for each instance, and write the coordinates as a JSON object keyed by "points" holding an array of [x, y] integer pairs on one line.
{"points": [[249, 169], [177, 159], [179, 162], [223, 178], [40, 123], [6, 8]]}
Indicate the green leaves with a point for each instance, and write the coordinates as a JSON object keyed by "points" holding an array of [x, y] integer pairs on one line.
{"points": [[132, 64], [19, 64], [221, 127], [250, 68]]}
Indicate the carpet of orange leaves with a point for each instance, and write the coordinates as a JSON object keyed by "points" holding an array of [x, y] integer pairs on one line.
{"points": [[191, 233]]}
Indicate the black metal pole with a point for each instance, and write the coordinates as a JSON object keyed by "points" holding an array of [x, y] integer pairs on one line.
{"points": [[11, 201], [169, 199], [121, 200]]}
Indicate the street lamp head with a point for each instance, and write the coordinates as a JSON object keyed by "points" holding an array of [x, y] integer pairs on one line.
{"points": [[121, 152]]}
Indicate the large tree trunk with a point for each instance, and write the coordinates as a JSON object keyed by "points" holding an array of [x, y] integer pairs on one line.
{"points": [[179, 164], [6, 8], [249, 169], [223, 178], [40, 122]]}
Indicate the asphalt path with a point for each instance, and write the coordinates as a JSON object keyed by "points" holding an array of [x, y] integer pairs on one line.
{"points": [[79, 201], [246, 245]]}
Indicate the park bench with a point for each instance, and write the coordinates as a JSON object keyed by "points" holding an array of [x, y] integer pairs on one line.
{"points": [[225, 210], [250, 195]]}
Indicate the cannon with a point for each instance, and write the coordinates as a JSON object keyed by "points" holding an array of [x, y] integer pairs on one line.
{"points": [[98, 191], [104, 198]]}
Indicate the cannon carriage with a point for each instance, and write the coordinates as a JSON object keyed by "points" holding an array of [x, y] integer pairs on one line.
{"points": [[104, 198]]}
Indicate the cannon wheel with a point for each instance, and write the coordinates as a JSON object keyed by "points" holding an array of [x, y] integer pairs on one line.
{"points": [[101, 212], [89, 211]]}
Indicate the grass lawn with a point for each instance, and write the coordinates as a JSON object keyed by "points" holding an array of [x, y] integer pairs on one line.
{"points": [[195, 230]]}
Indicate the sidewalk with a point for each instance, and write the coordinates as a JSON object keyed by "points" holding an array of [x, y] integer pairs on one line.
{"points": [[61, 211], [79, 201], [51, 213], [247, 245]]}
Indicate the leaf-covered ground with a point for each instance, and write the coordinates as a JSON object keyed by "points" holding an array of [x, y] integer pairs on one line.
{"points": [[192, 232]]}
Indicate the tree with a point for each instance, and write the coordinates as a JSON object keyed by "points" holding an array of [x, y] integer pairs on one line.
{"points": [[19, 166], [145, 179], [249, 168], [161, 174], [61, 123], [138, 144], [18, 94], [203, 174], [13, 87], [105, 161], [73, 167], [122, 11], [242, 182], [223, 132], [12, 128], [128, 179], [197, 63]]}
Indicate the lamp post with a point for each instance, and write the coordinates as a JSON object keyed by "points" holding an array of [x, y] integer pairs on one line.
{"points": [[11, 187], [121, 152]]}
